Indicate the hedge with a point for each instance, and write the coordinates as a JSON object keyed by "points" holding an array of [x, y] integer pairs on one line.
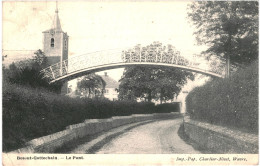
{"points": [[230, 102], [31, 113], [166, 107]]}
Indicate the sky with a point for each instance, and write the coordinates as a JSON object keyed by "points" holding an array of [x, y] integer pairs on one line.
{"points": [[95, 26]]}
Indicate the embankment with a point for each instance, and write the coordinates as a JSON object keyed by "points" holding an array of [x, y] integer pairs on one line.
{"points": [[220, 139], [49, 143]]}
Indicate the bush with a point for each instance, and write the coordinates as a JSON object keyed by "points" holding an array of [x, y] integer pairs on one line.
{"points": [[168, 107], [231, 102], [29, 75], [30, 113]]}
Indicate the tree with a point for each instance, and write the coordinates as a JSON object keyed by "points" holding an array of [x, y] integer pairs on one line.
{"points": [[159, 83], [27, 73], [229, 28], [93, 84], [40, 59]]}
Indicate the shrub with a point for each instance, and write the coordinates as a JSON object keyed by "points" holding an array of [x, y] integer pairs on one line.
{"points": [[30, 113], [29, 75], [231, 102], [168, 107]]}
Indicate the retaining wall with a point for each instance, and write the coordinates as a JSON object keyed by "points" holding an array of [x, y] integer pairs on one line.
{"points": [[49, 143], [220, 139]]}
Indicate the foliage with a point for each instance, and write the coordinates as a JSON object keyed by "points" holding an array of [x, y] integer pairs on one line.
{"points": [[166, 107], [28, 73], [93, 83], [31, 113], [231, 102], [40, 59], [229, 28], [159, 83]]}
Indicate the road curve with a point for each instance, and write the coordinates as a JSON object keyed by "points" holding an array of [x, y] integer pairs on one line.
{"points": [[154, 137]]}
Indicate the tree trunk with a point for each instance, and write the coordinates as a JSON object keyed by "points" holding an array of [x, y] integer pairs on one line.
{"points": [[89, 92], [102, 92], [95, 93], [161, 98], [149, 96], [228, 55]]}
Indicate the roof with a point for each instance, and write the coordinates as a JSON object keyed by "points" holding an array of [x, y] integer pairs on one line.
{"points": [[54, 30], [56, 21], [110, 82], [56, 26]]}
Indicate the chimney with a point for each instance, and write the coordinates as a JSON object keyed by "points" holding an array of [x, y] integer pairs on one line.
{"points": [[105, 73]]}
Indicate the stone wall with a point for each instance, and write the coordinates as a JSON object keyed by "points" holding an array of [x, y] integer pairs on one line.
{"points": [[220, 139], [49, 143]]}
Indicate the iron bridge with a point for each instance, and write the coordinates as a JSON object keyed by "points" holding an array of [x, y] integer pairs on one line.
{"points": [[103, 60]]}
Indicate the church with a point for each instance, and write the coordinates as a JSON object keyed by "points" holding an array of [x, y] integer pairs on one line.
{"points": [[56, 47], [55, 42]]}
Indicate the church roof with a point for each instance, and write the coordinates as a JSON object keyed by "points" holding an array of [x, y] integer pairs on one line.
{"points": [[56, 26], [110, 82], [56, 22]]}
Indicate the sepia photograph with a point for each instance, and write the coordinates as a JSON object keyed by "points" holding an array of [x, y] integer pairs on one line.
{"points": [[116, 82]]}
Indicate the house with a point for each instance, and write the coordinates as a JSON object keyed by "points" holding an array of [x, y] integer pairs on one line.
{"points": [[111, 86], [109, 92]]}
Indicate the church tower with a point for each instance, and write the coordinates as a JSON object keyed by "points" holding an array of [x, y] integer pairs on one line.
{"points": [[55, 41], [56, 46]]}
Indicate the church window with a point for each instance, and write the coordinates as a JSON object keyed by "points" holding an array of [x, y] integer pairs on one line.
{"points": [[52, 42]]}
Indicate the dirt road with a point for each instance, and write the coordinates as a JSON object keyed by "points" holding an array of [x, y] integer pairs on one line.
{"points": [[158, 137]]}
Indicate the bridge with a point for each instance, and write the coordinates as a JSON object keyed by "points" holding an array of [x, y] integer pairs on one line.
{"points": [[84, 64]]}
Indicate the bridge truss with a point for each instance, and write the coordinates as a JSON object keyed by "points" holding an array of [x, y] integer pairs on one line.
{"points": [[97, 61]]}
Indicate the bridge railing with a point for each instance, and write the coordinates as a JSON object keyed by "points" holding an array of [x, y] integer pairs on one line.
{"points": [[169, 57], [136, 55], [77, 63]]}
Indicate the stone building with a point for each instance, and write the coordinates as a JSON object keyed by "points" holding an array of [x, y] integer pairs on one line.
{"points": [[55, 42], [56, 45]]}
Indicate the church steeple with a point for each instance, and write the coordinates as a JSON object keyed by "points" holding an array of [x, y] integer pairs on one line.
{"points": [[56, 45], [56, 22], [55, 41]]}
